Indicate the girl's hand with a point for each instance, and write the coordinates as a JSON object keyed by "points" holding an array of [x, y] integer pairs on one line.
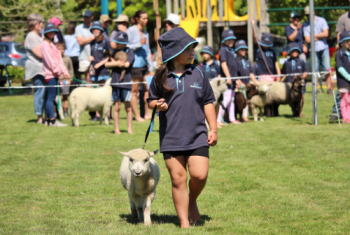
{"points": [[229, 82], [212, 138], [60, 77], [161, 105], [67, 76], [91, 58]]}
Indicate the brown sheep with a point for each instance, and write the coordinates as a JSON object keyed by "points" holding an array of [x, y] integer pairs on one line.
{"points": [[240, 104]]}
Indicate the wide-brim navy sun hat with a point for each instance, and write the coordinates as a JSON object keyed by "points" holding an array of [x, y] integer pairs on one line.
{"points": [[227, 34], [121, 38], [345, 35], [240, 44], [174, 42], [96, 25], [293, 46], [50, 27], [266, 40], [207, 49]]}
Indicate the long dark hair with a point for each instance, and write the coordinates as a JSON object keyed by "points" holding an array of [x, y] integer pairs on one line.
{"points": [[71, 28], [162, 74], [137, 15]]}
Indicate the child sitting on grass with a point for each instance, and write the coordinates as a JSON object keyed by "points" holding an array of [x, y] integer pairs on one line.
{"points": [[121, 93]]}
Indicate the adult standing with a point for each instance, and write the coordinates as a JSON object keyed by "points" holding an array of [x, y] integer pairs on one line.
{"points": [[122, 25], [322, 52], [172, 21], [84, 38], [139, 42], [294, 33], [105, 22], [34, 65], [57, 22], [72, 48]]}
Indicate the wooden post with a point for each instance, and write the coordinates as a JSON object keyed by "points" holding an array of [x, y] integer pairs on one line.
{"points": [[176, 7], [221, 9], [183, 9], [255, 17], [264, 16], [250, 34], [168, 7], [209, 26]]}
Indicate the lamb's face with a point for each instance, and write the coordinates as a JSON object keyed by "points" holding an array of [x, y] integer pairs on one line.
{"points": [[139, 161], [263, 88]]}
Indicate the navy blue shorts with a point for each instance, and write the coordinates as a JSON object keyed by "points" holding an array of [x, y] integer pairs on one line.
{"points": [[201, 151], [121, 94]]}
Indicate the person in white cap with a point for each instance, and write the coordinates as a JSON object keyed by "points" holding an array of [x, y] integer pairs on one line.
{"points": [[172, 21]]}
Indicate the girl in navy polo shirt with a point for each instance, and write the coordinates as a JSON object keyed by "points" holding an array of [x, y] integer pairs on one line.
{"points": [[210, 66], [228, 69], [244, 69], [101, 74], [120, 92], [183, 95], [342, 60]]}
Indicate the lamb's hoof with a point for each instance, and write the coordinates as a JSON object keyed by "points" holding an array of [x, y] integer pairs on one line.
{"points": [[148, 223], [261, 119]]}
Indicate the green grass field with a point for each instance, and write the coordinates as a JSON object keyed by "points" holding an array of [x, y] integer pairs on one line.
{"points": [[281, 176]]}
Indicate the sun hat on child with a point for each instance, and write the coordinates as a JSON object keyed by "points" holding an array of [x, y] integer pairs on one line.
{"points": [[121, 38], [96, 25], [50, 27], [240, 44], [174, 42], [345, 35], [207, 49], [266, 40], [293, 46], [56, 21], [227, 34]]}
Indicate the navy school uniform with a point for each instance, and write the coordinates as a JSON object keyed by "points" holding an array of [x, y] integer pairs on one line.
{"points": [[271, 59], [342, 59], [228, 54], [116, 71], [244, 69], [211, 71], [293, 65], [97, 49], [182, 126]]}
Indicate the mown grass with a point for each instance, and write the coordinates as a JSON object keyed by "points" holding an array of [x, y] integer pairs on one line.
{"points": [[281, 176]]}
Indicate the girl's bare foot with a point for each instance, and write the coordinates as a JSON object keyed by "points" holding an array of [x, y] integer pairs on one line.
{"points": [[184, 224], [235, 122], [140, 119], [148, 117], [130, 131], [193, 213], [246, 120], [117, 132], [220, 124]]}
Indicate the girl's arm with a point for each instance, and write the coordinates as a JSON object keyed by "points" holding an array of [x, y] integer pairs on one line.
{"points": [[210, 115], [278, 71], [226, 72], [113, 63], [160, 104], [102, 62], [37, 52], [252, 76], [127, 64]]}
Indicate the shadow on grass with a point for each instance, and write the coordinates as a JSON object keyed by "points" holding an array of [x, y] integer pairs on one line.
{"points": [[164, 219], [32, 120]]}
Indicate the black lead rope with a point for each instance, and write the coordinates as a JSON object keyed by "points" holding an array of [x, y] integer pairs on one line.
{"points": [[150, 126]]}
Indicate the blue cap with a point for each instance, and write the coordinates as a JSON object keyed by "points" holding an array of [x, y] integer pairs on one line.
{"points": [[293, 46], [207, 49], [87, 13], [266, 40], [50, 27], [294, 14], [96, 25], [240, 44], [174, 42], [227, 34], [121, 38], [345, 35]]}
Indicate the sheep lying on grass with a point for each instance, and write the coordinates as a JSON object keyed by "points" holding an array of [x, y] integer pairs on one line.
{"points": [[140, 175], [256, 95], [91, 99], [285, 93]]}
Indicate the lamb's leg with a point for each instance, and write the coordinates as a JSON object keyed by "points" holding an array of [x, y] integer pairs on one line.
{"points": [[132, 207], [261, 114], [255, 112], [139, 212], [101, 116], [105, 114], [147, 210]]}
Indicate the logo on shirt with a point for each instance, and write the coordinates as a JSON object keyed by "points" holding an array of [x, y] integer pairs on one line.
{"points": [[160, 44], [230, 32], [299, 67], [195, 85], [267, 39], [121, 36]]}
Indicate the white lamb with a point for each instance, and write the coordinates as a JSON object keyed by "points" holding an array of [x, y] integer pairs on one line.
{"points": [[219, 87], [256, 95], [140, 175], [91, 99]]}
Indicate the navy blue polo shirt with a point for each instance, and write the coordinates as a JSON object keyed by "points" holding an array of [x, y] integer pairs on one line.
{"points": [[228, 54], [293, 65], [298, 39], [342, 59], [211, 71], [244, 68], [182, 127], [97, 49], [116, 71], [270, 57]]}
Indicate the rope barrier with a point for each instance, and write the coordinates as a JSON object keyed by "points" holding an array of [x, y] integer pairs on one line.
{"points": [[131, 83]]}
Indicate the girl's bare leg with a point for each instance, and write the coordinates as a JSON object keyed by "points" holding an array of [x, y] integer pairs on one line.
{"points": [[198, 167], [128, 115], [133, 102], [116, 117], [178, 173]]}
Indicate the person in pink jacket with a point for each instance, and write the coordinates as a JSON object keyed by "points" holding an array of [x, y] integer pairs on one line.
{"points": [[53, 69]]}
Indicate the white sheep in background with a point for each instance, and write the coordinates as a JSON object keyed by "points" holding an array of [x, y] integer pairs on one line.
{"points": [[91, 99], [140, 175], [256, 95], [219, 87]]}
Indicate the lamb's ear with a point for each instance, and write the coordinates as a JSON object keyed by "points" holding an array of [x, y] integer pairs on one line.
{"points": [[125, 154], [151, 154]]}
